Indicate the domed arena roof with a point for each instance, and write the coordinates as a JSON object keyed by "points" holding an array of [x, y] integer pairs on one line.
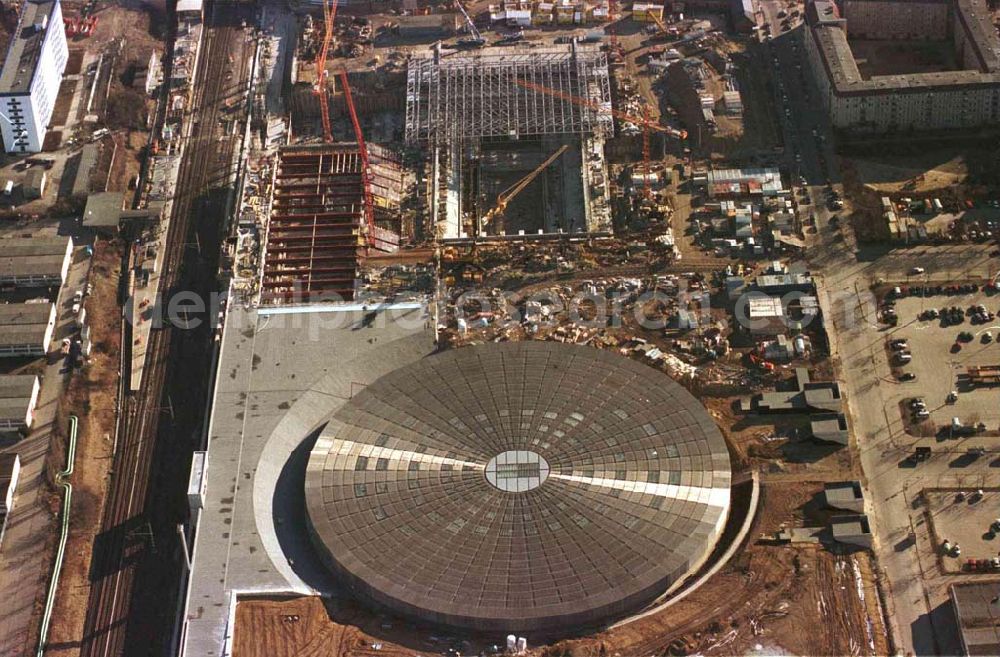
{"points": [[518, 486]]}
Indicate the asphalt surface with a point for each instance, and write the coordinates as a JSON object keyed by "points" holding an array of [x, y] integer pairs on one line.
{"points": [[920, 616]]}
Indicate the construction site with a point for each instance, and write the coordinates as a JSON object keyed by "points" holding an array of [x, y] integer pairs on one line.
{"points": [[378, 470], [534, 328], [378, 477], [438, 143], [493, 122]]}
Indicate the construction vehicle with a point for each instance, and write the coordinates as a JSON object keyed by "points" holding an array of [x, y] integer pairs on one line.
{"points": [[662, 29], [983, 375], [513, 37], [475, 39], [508, 194], [758, 361]]}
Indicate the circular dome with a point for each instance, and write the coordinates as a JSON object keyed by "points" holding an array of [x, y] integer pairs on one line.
{"points": [[518, 486]]}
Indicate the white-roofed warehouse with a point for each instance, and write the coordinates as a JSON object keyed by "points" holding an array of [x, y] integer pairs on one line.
{"points": [[35, 261], [18, 398], [26, 328]]}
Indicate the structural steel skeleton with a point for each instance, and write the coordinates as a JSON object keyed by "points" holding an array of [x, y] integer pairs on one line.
{"points": [[472, 95]]}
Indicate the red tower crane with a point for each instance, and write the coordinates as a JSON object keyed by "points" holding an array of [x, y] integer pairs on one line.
{"points": [[647, 192], [613, 16], [644, 121], [366, 179], [329, 14], [624, 116]]}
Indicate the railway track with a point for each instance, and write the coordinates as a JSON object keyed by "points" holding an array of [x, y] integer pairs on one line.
{"points": [[126, 535]]}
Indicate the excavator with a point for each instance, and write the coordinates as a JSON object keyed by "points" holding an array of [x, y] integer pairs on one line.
{"points": [[475, 38], [508, 194], [663, 32]]}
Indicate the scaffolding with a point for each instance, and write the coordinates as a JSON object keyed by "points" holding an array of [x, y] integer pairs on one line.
{"points": [[481, 95], [313, 239]]}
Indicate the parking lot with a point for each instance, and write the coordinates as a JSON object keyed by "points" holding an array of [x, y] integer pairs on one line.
{"points": [[940, 366], [965, 519]]}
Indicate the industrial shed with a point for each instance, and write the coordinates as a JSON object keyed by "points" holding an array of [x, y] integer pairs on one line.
{"points": [[85, 163], [18, 398], [35, 261], [977, 610], [103, 211], [35, 183], [26, 329]]}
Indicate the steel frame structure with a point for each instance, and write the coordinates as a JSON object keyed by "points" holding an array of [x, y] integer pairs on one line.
{"points": [[481, 95]]}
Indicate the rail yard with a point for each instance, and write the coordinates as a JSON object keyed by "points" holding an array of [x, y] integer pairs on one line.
{"points": [[526, 328]]}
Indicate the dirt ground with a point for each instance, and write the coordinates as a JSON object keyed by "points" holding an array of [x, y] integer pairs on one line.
{"points": [[300, 627], [91, 395], [141, 32], [898, 174], [773, 444], [793, 600]]}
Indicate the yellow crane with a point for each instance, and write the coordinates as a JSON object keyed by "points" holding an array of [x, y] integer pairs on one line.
{"points": [[505, 197]]}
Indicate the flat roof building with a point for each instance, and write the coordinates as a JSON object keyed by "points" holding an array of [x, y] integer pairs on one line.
{"points": [[35, 182], [830, 427], [852, 530], [189, 7], [977, 610], [35, 261], [103, 211], [86, 161], [31, 75], [845, 495], [18, 398], [764, 181], [770, 315], [782, 283], [26, 328], [808, 396], [968, 97]]}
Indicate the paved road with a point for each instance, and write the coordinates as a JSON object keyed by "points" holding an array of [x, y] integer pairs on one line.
{"points": [[918, 608], [920, 616]]}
